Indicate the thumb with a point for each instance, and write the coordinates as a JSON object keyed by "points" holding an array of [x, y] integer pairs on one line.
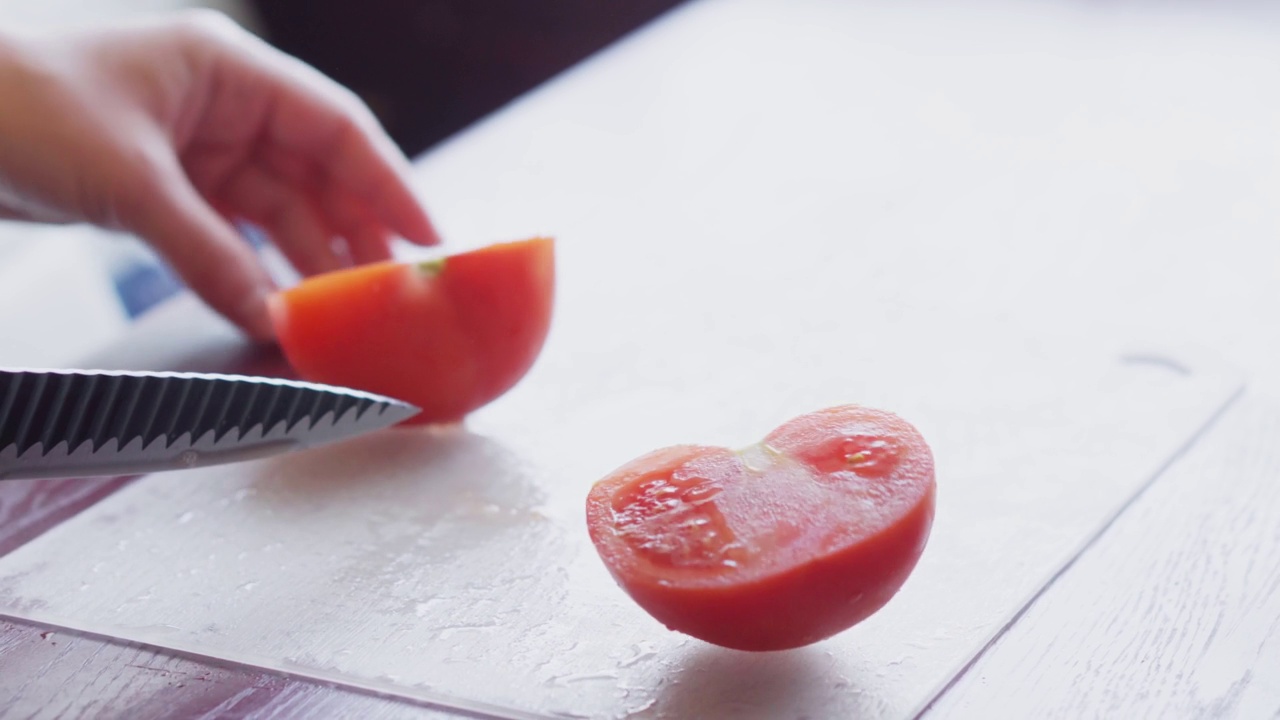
{"points": [[201, 246]]}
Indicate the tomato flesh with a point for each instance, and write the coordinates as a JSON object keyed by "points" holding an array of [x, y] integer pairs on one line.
{"points": [[668, 519], [448, 335], [777, 545]]}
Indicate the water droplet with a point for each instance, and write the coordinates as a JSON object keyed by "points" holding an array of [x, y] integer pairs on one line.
{"points": [[246, 587], [580, 677], [640, 651], [637, 709], [701, 492], [186, 517], [450, 630]]}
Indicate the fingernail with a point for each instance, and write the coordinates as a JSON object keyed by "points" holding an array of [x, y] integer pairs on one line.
{"points": [[256, 320], [433, 236]]}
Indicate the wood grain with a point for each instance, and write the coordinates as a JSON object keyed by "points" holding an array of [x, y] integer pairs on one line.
{"points": [[29, 507], [48, 673], [1173, 613], [53, 674], [183, 335]]}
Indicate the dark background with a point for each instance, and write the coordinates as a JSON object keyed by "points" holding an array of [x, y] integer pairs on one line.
{"points": [[430, 68]]}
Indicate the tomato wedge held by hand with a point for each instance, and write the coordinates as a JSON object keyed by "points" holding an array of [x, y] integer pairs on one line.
{"points": [[448, 335], [775, 546]]}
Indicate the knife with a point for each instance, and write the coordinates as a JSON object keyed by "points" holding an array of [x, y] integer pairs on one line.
{"points": [[82, 423]]}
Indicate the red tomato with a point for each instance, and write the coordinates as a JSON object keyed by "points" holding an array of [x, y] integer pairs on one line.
{"points": [[779, 545], [447, 335]]}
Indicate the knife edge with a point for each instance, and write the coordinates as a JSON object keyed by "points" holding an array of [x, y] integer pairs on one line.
{"points": [[121, 422]]}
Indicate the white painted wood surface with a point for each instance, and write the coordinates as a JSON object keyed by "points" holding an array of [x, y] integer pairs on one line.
{"points": [[965, 214], [1113, 166], [1173, 613]]}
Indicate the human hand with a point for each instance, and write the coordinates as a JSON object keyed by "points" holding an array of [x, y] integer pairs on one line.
{"points": [[171, 130]]}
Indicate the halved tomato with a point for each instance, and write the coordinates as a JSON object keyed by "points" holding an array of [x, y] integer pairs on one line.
{"points": [[778, 545], [448, 335]]}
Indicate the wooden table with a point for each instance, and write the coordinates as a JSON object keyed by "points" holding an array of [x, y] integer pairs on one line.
{"points": [[1119, 164]]}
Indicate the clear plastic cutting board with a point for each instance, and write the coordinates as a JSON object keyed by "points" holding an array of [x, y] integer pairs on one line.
{"points": [[735, 249], [453, 566]]}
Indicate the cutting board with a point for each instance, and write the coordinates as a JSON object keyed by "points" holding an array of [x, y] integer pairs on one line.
{"points": [[761, 210], [452, 565]]}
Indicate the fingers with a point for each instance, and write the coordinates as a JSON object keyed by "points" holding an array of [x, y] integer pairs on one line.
{"points": [[313, 118], [367, 237], [369, 247], [365, 167], [367, 240], [287, 213], [318, 230], [205, 251]]}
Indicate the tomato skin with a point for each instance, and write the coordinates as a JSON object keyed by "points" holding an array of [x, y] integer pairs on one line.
{"points": [[802, 606], [448, 336], [777, 597]]}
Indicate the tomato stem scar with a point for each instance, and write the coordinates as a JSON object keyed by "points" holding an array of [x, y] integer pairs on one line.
{"points": [[431, 268]]}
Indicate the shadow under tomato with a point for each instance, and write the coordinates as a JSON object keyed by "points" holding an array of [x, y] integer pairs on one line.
{"points": [[715, 682]]}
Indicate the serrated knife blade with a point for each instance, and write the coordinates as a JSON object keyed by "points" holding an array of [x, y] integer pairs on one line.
{"points": [[83, 423]]}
